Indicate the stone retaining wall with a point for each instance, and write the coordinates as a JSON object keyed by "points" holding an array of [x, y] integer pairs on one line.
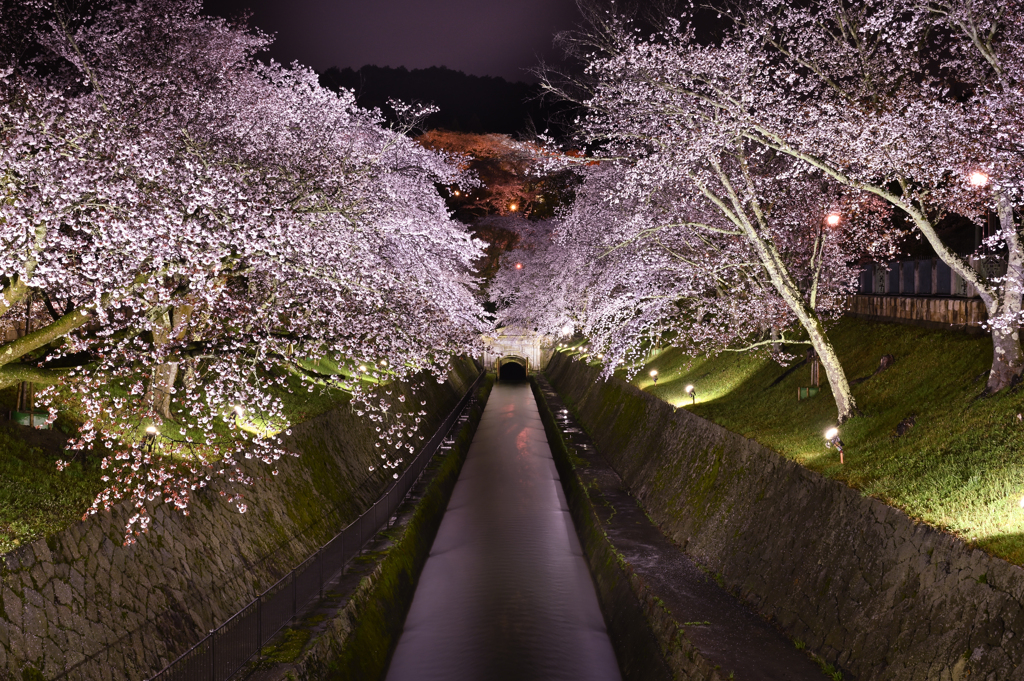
{"points": [[872, 592], [933, 311], [79, 605]]}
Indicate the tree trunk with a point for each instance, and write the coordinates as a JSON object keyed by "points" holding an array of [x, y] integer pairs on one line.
{"points": [[161, 385], [846, 406], [1004, 309]]}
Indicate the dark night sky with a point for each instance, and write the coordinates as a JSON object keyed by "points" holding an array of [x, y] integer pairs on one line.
{"points": [[479, 37]]}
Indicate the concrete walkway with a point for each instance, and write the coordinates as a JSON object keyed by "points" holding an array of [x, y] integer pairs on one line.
{"points": [[506, 592], [733, 642]]}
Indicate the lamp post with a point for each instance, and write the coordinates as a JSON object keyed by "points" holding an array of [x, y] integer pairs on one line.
{"points": [[832, 438], [692, 392], [654, 375]]}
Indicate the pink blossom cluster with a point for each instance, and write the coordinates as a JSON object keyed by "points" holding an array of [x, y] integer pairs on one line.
{"points": [[184, 227]]}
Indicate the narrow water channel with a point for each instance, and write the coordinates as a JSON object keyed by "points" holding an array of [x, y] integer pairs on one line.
{"points": [[506, 593]]}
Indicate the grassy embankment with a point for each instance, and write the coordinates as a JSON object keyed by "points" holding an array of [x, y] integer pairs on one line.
{"points": [[959, 466], [37, 500]]}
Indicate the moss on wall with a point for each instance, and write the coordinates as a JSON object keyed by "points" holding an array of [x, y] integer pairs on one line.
{"points": [[848, 576], [80, 600], [372, 622]]}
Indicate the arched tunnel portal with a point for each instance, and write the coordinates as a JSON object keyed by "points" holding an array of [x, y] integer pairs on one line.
{"points": [[512, 368]]}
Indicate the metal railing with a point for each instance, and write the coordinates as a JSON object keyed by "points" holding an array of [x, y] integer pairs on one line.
{"points": [[227, 649]]}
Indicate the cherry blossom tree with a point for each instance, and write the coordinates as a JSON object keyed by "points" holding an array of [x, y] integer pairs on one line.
{"points": [[915, 102], [739, 234], [184, 227]]}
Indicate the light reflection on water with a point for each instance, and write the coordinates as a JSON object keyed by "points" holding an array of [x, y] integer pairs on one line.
{"points": [[506, 593]]}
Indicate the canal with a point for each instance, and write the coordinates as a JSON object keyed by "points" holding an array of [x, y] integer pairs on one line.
{"points": [[506, 592]]}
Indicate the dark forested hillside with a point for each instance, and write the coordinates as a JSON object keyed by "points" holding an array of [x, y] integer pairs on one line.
{"points": [[468, 103]]}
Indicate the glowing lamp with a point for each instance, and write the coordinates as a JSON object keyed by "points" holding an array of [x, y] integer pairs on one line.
{"points": [[567, 330], [832, 439], [458, 193], [151, 430], [513, 207], [692, 392], [519, 265], [239, 409], [978, 178], [362, 367], [832, 219], [654, 375]]}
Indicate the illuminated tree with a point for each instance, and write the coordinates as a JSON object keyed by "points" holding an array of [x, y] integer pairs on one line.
{"points": [[188, 226]]}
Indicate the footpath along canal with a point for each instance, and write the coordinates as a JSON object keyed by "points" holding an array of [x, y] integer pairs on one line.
{"points": [[507, 593]]}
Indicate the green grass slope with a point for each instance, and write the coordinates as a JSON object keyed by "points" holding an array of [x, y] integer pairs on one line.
{"points": [[959, 467]]}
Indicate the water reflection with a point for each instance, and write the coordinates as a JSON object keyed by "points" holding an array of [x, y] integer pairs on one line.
{"points": [[506, 593]]}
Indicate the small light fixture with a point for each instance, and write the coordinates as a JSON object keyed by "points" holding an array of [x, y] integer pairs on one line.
{"points": [[239, 409], [362, 367], [519, 265], [692, 392], [568, 329], [654, 375], [832, 439], [458, 193], [513, 207], [978, 179], [832, 219], [151, 430]]}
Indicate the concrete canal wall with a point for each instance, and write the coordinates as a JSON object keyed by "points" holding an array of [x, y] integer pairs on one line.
{"points": [[865, 587]]}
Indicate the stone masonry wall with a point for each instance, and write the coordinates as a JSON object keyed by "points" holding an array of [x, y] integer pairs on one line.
{"points": [[79, 605], [865, 587]]}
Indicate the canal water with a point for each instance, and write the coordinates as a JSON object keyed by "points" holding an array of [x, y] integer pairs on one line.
{"points": [[506, 593]]}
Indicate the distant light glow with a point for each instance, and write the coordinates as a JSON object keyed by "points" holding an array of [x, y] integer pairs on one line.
{"points": [[513, 207], [567, 330], [519, 265], [979, 179], [833, 219]]}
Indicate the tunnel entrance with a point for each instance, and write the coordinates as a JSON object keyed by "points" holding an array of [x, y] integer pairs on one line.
{"points": [[512, 370]]}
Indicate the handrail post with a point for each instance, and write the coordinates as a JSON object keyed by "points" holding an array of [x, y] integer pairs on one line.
{"points": [[213, 655], [259, 626], [320, 557]]}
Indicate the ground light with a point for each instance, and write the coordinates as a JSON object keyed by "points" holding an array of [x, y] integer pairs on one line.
{"points": [[832, 438], [654, 375], [692, 392]]}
